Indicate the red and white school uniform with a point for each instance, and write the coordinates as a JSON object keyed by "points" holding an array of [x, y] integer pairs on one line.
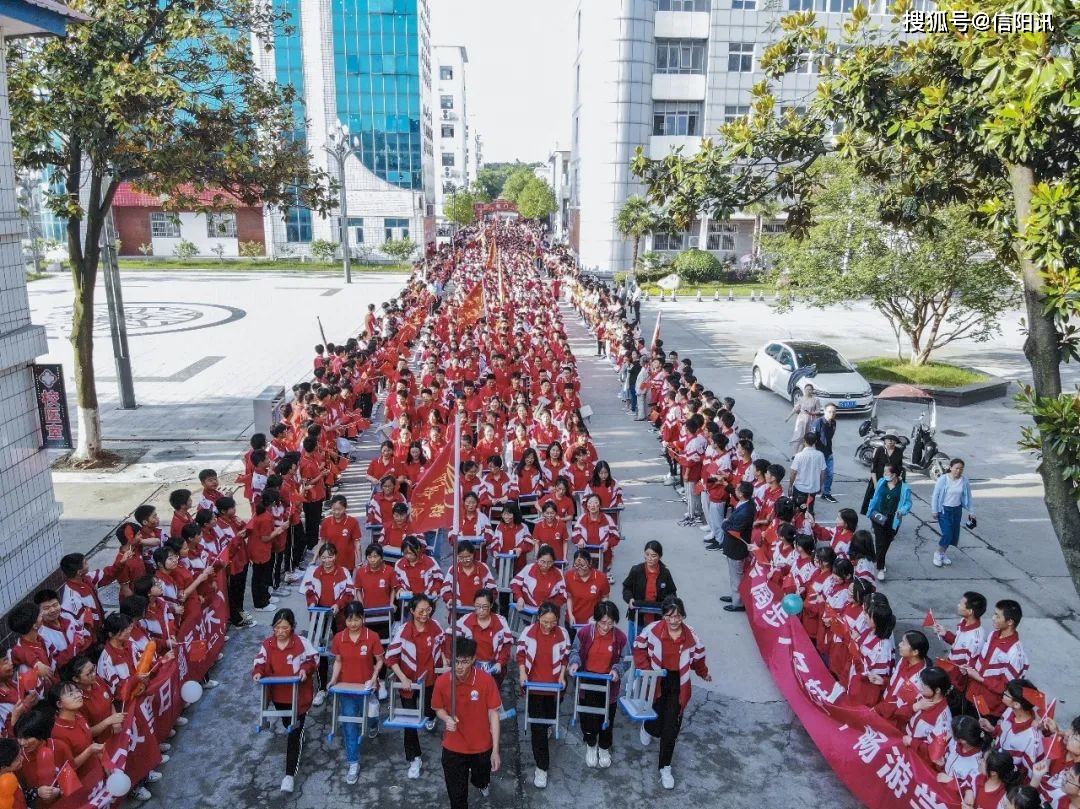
{"points": [[79, 596], [374, 588], [117, 666], [655, 649], [585, 594], [343, 534], [903, 691], [599, 532], [417, 651], [422, 577], [298, 655], [493, 642], [469, 583], [327, 588], [358, 657], [530, 482], [965, 644], [962, 765], [611, 495], [1021, 740], [928, 725], [1000, 660], [511, 538], [544, 655], [536, 586], [554, 534], [875, 658], [380, 508]]}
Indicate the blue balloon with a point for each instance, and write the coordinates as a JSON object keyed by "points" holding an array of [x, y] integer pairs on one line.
{"points": [[792, 604]]}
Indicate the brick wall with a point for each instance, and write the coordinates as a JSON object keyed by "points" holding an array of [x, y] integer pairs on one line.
{"points": [[249, 227], [133, 225]]}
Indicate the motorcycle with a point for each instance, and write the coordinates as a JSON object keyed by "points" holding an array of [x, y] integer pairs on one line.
{"points": [[888, 412]]}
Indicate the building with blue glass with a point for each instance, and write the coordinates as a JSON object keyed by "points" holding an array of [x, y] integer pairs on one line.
{"points": [[364, 65]]}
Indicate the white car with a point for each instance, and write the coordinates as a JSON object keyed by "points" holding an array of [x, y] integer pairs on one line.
{"points": [[835, 380]]}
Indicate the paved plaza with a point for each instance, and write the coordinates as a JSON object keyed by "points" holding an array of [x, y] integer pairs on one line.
{"points": [[197, 365]]}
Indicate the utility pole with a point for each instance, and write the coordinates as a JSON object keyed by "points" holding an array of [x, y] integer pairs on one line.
{"points": [[117, 322], [338, 148]]}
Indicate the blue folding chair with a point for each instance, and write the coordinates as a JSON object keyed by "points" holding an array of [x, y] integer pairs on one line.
{"points": [[268, 712]]}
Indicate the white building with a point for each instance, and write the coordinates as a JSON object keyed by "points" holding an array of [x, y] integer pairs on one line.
{"points": [[367, 67], [30, 545], [454, 163], [662, 74], [558, 177]]}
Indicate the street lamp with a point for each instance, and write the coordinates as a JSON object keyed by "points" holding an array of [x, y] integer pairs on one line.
{"points": [[338, 148]]}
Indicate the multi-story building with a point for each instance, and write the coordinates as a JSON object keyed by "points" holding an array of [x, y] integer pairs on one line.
{"points": [[364, 65], [663, 74], [558, 177], [454, 165]]}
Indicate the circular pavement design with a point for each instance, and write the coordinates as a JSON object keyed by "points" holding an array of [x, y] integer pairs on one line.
{"points": [[146, 318]]}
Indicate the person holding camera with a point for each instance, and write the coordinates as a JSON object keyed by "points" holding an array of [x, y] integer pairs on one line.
{"points": [[952, 497]]}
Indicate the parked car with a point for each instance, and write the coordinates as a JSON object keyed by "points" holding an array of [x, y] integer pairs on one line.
{"points": [[834, 378]]}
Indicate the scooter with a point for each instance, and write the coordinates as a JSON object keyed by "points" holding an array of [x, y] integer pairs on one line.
{"points": [[925, 455]]}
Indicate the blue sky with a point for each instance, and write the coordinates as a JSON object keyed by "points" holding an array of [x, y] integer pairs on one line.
{"points": [[520, 67]]}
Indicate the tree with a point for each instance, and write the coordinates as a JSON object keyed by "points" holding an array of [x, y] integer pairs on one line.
{"points": [[536, 200], [516, 183], [933, 285], [982, 118], [400, 250], [164, 94], [480, 192], [459, 208], [636, 220], [762, 210], [492, 177]]}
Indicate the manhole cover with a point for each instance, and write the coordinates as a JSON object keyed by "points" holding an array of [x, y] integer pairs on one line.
{"points": [[954, 433]]}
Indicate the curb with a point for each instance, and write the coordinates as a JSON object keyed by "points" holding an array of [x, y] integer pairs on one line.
{"points": [[994, 388]]}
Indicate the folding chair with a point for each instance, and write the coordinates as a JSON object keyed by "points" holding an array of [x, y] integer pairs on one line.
{"points": [[268, 712], [548, 689], [377, 617], [615, 514], [504, 571], [521, 619], [640, 693], [406, 718], [348, 690], [374, 530], [476, 542], [320, 628], [597, 554], [527, 505], [586, 681]]}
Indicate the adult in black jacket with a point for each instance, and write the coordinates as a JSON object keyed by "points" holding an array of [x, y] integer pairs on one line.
{"points": [[648, 583], [737, 531]]}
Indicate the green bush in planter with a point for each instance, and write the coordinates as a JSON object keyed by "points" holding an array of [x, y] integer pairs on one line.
{"points": [[697, 267]]}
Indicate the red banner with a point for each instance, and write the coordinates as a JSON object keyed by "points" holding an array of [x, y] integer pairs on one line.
{"points": [[136, 747], [864, 750], [433, 498]]}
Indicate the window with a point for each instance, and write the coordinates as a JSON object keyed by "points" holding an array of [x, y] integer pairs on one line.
{"points": [[446, 73], [682, 5], [396, 228], [680, 56], [773, 228], [740, 57], [669, 241], [221, 225], [838, 6], [744, 4], [677, 118], [164, 226], [732, 114], [448, 130], [356, 225], [808, 63], [446, 102], [797, 110], [722, 236], [448, 159]]}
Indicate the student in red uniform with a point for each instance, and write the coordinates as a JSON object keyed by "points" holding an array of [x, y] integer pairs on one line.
{"points": [[261, 533], [327, 584], [470, 752], [313, 471], [65, 701], [596, 530], [998, 776], [603, 485], [180, 500], [287, 654], [543, 652], [599, 648], [66, 636], [416, 650], [930, 719], [417, 572], [79, 597], [672, 647], [373, 586], [539, 581], [472, 577], [43, 756], [358, 659], [494, 641], [97, 704], [511, 535], [31, 651], [585, 588], [383, 464], [1000, 660], [905, 685], [342, 530]]}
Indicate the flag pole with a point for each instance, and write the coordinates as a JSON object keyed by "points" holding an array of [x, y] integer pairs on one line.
{"points": [[456, 530]]}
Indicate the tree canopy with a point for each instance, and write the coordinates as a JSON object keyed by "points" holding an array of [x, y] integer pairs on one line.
{"points": [[636, 220], [459, 207], [536, 200]]}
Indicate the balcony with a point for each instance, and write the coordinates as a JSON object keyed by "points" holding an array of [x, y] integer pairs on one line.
{"points": [[678, 87], [682, 25], [660, 146]]}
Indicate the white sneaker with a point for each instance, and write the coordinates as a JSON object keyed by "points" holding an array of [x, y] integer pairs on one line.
{"points": [[667, 780], [165, 747], [706, 529], [646, 739], [181, 721], [288, 784], [353, 775], [153, 777], [267, 608], [881, 575], [669, 480], [604, 758], [282, 591], [382, 690], [210, 684], [945, 560], [373, 708], [320, 698], [540, 779], [591, 757], [164, 759], [414, 768], [937, 559], [273, 601], [142, 794]]}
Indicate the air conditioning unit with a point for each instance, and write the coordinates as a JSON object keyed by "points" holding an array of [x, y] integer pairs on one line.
{"points": [[446, 115]]}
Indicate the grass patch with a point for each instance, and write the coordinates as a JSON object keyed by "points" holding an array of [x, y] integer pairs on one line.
{"points": [[35, 276], [934, 374], [212, 265], [689, 290]]}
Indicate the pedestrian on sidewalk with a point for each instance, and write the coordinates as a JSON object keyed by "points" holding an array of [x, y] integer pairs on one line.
{"points": [[470, 750], [806, 408], [737, 529], [599, 648], [824, 427], [952, 497], [808, 470], [891, 501]]}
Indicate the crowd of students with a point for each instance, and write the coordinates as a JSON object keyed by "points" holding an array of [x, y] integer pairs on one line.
{"points": [[973, 715]]}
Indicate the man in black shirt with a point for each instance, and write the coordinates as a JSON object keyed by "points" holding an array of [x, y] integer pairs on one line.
{"points": [[825, 427]]}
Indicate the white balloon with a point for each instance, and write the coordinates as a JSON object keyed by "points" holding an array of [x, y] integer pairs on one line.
{"points": [[191, 692], [118, 784]]}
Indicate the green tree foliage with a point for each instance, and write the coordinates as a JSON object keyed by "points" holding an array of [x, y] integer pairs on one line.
{"points": [[324, 250], [492, 177], [399, 249], [516, 183], [635, 221], [459, 208], [536, 199], [983, 119], [697, 266], [162, 93], [934, 284]]}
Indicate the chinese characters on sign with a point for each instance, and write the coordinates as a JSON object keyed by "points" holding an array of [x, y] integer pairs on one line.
{"points": [[52, 406], [941, 22]]}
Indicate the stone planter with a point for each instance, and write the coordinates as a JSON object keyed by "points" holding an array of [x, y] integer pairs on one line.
{"points": [[993, 388]]}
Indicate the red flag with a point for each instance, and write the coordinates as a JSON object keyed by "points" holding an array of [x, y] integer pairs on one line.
{"points": [[656, 330], [197, 651], [1037, 698], [929, 619], [68, 780], [762, 556], [1051, 709], [979, 701], [433, 496], [938, 746], [28, 680], [946, 665], [909, 692], [472, 308]]}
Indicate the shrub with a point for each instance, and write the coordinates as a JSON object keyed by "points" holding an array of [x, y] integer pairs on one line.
{"points": [[146, 249], [251, 249], [401, 250], [185, 249], [698, 267], [219, 251], [323, 250]]}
